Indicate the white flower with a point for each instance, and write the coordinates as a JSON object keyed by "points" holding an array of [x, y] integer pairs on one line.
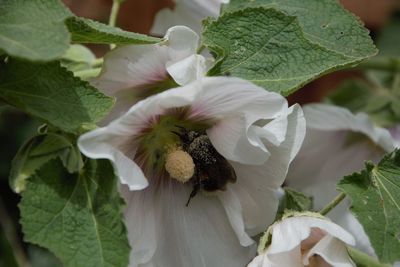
{"points": [[133, 72], [395, 132], [305, 241], [337, 143], [186, 12], [253, 130]]}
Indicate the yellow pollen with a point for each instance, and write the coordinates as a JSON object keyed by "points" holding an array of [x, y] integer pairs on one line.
{"points": [[180, 166]]}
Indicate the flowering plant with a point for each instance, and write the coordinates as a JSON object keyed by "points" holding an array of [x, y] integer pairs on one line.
{"points": [[181, 148]]}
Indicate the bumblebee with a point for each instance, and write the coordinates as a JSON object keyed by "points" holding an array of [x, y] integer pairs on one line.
{"points": [[212, 171]]}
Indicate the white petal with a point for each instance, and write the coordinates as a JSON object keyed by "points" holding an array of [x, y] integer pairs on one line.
{"points": [[258, 201], [333, 251], [225, 96], [140, 220], [231, 138], [395, 133], [230, 98], [289, 233], [342, 216], [129, 70], [258, 186], [182, 42], [102, 144], [115, 141], [275, 130], [131, 66], [197, 235], [187, 70], [258, 261], [233, 209], [290, 258], [187, 12], [328, 118]]}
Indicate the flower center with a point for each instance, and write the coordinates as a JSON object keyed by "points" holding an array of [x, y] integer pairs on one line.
{"points": [[175, 145], [159, 136]]}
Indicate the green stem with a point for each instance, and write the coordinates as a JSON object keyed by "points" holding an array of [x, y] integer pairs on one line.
{"points": [[380, 63], [396, 84], [200, 49], [11, 236], [332, 204], [113, 16], [364, 260], [83, 74]]}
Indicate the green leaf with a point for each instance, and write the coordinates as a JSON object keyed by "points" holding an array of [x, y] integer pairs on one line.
{"points": [[76, 216], [271, 49], [53, 94], [389, 39], [324, 22], [380, 103], [295, 201], [352, 94], [375, 196], [33, 30], [38, 151], [89, 31]]}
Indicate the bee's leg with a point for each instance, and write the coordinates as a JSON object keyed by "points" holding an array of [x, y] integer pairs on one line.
{"points": [[177, 133], [196, 188], [182, 131], [182, 134]]}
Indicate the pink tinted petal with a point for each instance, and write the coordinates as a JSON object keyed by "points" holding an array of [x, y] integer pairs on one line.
{"points": [[332, 250], [131, 66], [102, 144]]}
